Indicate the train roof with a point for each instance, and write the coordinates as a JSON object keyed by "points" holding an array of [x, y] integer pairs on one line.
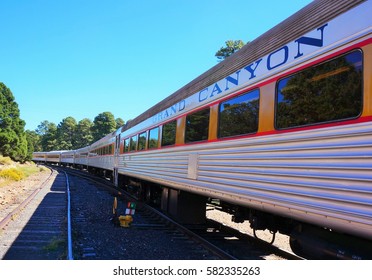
{"points": [[303, 21], [107, 139]]}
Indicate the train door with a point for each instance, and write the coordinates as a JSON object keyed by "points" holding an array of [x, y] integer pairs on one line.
{"points": [[116, 160]]}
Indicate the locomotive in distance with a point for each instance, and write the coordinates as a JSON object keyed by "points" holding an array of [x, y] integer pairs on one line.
{"points": [[279, 134]]}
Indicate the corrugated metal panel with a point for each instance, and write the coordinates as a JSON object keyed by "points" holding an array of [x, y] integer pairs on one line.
{"points": [[104, 162], [318, 175]]}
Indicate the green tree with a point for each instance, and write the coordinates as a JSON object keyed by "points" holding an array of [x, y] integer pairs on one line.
{"points": [[103, 124], [33, 143], [48, 136], [231, 47], [65, 133], [13, 142], [119, 122], [83, 134]]}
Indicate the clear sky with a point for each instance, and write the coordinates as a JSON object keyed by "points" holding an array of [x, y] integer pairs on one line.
{"points": [[80, 58]]}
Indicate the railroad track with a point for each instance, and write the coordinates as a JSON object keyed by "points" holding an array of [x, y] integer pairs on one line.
{"points": [[40, 228], [151, 235], [36, 229], [211, 241]]}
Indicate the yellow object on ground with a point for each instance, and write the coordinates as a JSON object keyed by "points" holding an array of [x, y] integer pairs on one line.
{"points": [[125, 221]]}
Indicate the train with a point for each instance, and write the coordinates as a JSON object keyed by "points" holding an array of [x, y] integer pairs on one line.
{"points": [[278, 134]]}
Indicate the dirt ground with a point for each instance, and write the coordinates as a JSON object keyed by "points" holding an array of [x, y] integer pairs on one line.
{"points": [[13, 194]]}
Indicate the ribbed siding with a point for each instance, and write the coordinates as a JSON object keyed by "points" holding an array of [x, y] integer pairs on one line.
{"points": [[104, 162], [325, 172], [164, 164]]}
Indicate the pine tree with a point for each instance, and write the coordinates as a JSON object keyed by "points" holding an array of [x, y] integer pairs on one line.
{"points": [[103, 124], [13, 142], [83, 135]]}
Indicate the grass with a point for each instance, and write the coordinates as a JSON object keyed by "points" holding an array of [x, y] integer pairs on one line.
{"points": [[5, 160], [11, 171], [55, 244], [12, 174]]}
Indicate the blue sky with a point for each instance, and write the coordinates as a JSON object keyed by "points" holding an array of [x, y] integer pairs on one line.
{"points": [[80, 58]]}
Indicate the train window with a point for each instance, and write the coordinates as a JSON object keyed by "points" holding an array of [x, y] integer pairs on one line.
{"points": [[126, 145], [133, 143], [197, 126], [169, 133], [153, 138], [142, 141], [327, 92], [239, 115]]}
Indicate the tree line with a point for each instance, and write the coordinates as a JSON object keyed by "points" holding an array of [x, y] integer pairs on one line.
{"points": [[19, 144], [70, 134]]}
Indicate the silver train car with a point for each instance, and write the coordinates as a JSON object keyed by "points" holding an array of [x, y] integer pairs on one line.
{"points": [[279, 134], [53, 157], [81, 157]]}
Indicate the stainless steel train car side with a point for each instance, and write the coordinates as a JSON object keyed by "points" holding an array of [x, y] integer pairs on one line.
{"points": [[81, 157], [53, 157], [101, 155], [313, 176], [68, 158], [39, 157]]}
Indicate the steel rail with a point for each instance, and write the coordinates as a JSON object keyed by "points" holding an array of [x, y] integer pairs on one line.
{"points": [[69, 228], [8, 217]]}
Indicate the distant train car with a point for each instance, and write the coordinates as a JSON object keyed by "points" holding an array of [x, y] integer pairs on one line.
{"points": [[68, 158], [101, 155], [53, 157], [81, 157], [39, 157]]}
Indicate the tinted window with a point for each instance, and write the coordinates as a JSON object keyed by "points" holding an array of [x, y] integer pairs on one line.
{"points": [[169, 133], [126, 145], [154, 138], [133, 143], [142, 141], [327, 92], [197, 125], [239, 115]]}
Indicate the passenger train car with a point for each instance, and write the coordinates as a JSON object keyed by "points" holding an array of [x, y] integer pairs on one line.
{"points": [[280, 134]]}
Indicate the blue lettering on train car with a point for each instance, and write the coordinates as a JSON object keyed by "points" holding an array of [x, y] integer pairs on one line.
{"points": [[310, 41], [232, 80], [260, 67], [275, 59], [252, 70], [180, 106], [283, 54]]}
